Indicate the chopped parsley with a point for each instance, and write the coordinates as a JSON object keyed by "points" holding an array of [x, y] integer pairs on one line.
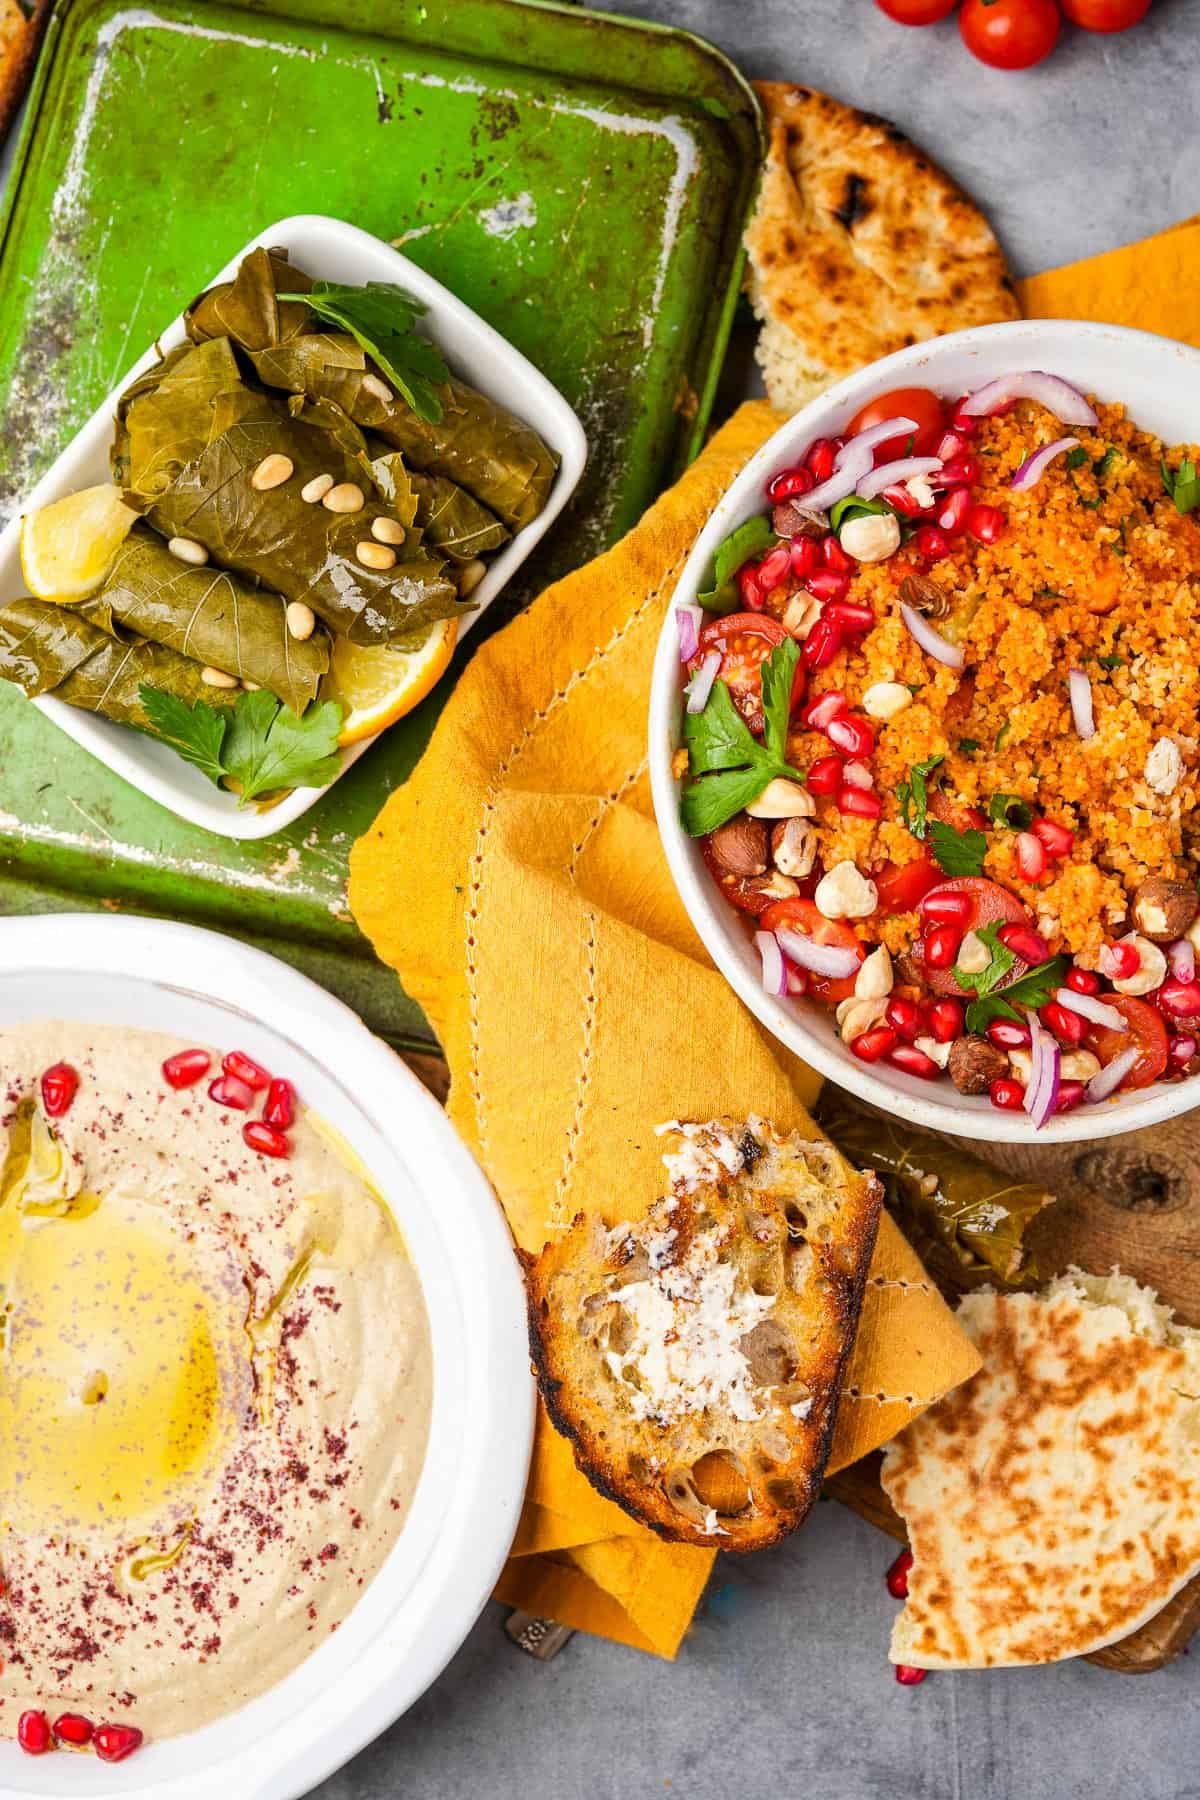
{"points": [[1002, 733], [1032, 990], [957, 852], [968, 746], [1103, 464], [1010, 812], [750, 539], [1183, 484], [853, 508], [1048, 593], [1111, 662], [913, 795], [1076, 457], [734, 766]]}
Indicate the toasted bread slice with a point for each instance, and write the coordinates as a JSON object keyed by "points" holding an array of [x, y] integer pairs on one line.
{"points": [[695, 1359]]}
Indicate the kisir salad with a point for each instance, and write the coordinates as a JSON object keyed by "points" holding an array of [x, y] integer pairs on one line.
{"points": [[941, 740]]}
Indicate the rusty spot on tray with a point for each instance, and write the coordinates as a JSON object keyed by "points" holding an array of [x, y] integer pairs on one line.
{"points": [[497, 117], [34, 403]]}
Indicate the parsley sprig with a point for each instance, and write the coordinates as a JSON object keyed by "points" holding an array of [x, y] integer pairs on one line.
{"points": [[1030, 990], [913, 795], [728, 764], [957, 852], [381, 318], [256, 746], [1010, 812]]}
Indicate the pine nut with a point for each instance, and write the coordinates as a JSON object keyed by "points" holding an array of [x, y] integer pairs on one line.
{"points": [[252, 687], [316, 489], [375, 556], [378, 390], [346, 497], [218, 678], [272, 472], [301, 620], [388, 531], [188, 550], [470, 577]]}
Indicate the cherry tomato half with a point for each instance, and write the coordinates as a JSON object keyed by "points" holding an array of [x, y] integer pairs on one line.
{"points": [[902, 886], [803, 917], [903, 403], [991, 904], [1103, 15], [745, 641], [1009, 34], [1146, 1032], [918, 12], [941, 806]]}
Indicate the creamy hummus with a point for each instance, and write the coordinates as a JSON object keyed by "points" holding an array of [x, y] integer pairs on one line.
{"points": [[214, 1390]]}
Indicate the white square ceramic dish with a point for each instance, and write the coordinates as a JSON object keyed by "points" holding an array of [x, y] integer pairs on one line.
{"points": [[332, 251]]}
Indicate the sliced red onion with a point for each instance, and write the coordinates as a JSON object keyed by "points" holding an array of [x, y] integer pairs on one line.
{"points": [[1088, 1007], [1035, 466], [1042, 1092], [835, 960], [1182, 957], [774, 969], [701, 684], [1108, 1079], [931, 641], [1051, 391], [854, 460], [890, 474], [687, 618], [1079, 688]]}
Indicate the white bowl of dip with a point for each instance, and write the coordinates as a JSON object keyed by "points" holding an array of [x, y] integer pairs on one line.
{"points": [[200, 988], [1158, 382]]}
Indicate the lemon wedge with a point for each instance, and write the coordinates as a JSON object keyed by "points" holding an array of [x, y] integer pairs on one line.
{"points": [[67, 548], [377, 685]]}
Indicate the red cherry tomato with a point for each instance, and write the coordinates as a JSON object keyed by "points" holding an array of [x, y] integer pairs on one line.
{"points": [[1009, 34], [745, 641], [956, 813], [1103, 15], [803, 917], [918, 12], [1146, 1032], [902, 886], [989, 903], [919, 404]]}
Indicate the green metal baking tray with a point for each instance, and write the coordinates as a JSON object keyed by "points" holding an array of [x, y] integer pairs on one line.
{"points": [[581, 180]]}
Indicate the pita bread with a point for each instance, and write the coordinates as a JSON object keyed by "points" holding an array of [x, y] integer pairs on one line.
{"points": [[859, 246], [1053, 1502]]}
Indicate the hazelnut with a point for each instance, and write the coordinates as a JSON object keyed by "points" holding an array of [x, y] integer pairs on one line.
{"points": [[794, 847], [791, 518], [873, 537], [1163, 910], [925, 596], [783, 799], [846, 893], [740, 846], [974, 1063]]}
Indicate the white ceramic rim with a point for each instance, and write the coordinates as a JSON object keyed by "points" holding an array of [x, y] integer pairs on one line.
{"points": [[335, 251], [1026, 343], [418, 1610]]}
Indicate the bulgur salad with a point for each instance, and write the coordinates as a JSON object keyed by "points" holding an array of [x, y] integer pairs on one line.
{"points": [[942, 738]]}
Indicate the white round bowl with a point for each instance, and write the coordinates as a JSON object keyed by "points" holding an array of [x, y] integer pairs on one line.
{"points": [[202, 988], [1158, 382]]}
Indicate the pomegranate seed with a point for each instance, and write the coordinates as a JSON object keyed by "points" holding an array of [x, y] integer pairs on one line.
{"points": [[954, 443], [930, 543], [819, 460], [985, 523], [1066, 1025], [835, 557], [946, 1021], [60, 1084], [903, 502], [238, 1064], [268, 1140], [1058, 839], [914, 1062], [280, 1108], [826, 775], [73, 1729], [849, 615], [940, 948], [1181, 1050], [827, 584], [897, 1575], [1070, 1093], [857, 774], [33, 1733], [965, 424], [850, 735], [115, 1742], [869, 1046], [186, 1068], [1006, 1034], [904, 1016], [947, 906], [1179, 999], [823, 707], [907, 1676], [797, 979], [747, 580], [789, 484], [1007, 1094], [859, 803], [953, 515], [773, 568], [1119, 961], [802, 552], [227, 1090], [1024, 942], [1082, 981], [958, 471], [1031, 856], [824, 640]]}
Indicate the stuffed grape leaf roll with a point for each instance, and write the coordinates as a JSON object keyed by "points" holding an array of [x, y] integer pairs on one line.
{"points": [[48, 649]]}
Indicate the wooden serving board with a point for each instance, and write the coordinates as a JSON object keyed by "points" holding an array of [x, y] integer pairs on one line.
{"points": [[1131, 1202]]}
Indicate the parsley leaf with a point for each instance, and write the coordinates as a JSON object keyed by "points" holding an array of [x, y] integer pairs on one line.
{"points": [[1103, 464], [1032, 989], [1002, 734], [1076, 457], [982, 981], [1010, 812], [851, 507], [968, 746], [381, 318], [776, 676], [1111, 662], [1182, 484], [723, 750], [957, 852], [913, 795], [194, 732], [748, 540], [256, 746]]}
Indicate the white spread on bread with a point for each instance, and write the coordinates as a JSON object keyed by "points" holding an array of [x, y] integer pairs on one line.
{"points": [[701, 1154]]}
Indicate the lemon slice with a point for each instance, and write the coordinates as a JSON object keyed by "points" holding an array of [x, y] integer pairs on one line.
{"points": [[67, 548], [377, 686]]}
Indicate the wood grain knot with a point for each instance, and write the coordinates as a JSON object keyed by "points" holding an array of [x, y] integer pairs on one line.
{"points": [[1135, 1180]]}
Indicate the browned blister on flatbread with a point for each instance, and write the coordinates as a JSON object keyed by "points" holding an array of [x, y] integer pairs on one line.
{"points": [[859, 246], [1053, 1501]]}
